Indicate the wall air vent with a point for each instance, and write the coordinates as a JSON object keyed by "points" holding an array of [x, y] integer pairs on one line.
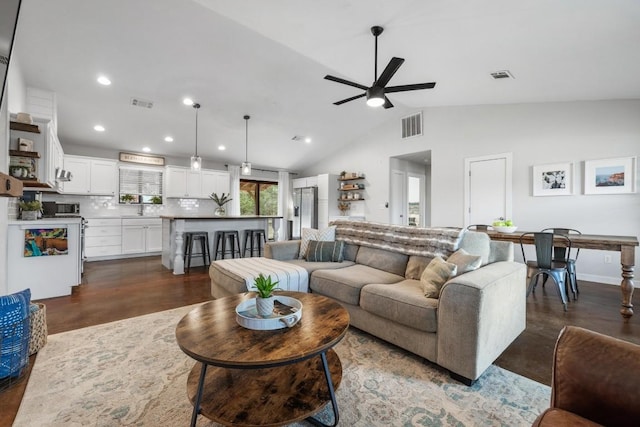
{"points": [[4, 60], [137, 102], [504, 74], [412, 125]]}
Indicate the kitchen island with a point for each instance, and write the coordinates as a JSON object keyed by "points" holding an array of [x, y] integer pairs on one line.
{"points": [[174, 227]]}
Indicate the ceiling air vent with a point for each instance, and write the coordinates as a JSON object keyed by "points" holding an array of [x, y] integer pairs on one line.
{"points": [[4, 60], [137, 102], [412, 125], [504, 74]]}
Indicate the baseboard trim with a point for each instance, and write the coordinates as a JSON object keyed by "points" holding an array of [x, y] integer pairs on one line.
{"points": [[600, 279]]}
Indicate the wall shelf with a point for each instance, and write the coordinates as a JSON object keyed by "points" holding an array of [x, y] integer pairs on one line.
{"points": [[18, 153], [24, 127]]}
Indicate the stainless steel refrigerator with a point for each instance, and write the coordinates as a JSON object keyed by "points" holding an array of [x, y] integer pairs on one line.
{"points": [[305, 210]]}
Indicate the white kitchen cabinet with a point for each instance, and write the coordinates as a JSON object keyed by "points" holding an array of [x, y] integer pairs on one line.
{"points": [[327, 198], [91, 176], [309, 181], [214, 182], [54, 157], [103, 237], [141, 235], [183, 182]]}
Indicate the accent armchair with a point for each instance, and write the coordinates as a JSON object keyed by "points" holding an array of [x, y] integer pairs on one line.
{"points": [[595, 381]]}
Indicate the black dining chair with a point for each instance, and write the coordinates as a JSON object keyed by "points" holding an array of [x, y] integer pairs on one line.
{"points": [[560, 254], [545, 263]]}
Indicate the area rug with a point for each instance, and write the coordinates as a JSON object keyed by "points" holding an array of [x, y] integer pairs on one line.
{"points": [[132, 373]]}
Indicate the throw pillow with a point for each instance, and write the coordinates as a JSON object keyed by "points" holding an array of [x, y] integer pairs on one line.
{"points": [[435, 275], [326, 235], [465, 261], [325, 251], [14, 333]]}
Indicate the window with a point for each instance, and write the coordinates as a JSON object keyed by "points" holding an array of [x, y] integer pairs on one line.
{"points": [[140, 186], [258, 197]]}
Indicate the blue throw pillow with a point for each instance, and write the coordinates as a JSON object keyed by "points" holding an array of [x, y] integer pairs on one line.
{"points": [[14, 333]]}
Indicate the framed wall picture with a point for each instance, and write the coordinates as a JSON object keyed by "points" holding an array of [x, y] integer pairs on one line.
{"points": [[553, 180], [610, 176]]}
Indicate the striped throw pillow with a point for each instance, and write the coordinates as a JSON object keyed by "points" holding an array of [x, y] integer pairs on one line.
{"points": [[325, 251], [308, 234]]}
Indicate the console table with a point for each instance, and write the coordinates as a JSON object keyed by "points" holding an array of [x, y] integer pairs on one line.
{"points": [[626, 245]]}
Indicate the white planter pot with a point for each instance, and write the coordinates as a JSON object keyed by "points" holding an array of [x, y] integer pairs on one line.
{"points": [[264, 306], [29, 215]]}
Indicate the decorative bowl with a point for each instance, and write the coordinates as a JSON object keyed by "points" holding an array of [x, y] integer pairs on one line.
{"points": [[505, 229], [247, 316]]}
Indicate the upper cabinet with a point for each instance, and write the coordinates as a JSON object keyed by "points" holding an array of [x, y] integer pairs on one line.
{"points": [[310, 181], [91, 176], [35, 154], [184, 183]]}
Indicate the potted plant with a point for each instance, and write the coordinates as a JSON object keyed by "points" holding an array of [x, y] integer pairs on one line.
{"points": [[220, 201], [127, 198], [264, 299], [30, 209], [156, 200]]}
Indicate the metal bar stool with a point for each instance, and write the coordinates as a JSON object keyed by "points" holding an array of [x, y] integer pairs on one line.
{"points": [[190, 237], [257, 237], [221, 239]]}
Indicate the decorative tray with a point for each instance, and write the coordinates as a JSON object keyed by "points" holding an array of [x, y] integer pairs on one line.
{"points": [[286, 313]]}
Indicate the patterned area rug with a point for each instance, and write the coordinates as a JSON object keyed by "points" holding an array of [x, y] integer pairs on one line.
{"points": [[131, 372]]}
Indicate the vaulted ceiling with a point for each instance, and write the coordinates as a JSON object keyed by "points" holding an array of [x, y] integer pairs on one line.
{"points": [[268, 59]]}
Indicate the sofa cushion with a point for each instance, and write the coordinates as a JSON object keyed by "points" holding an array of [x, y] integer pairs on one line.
{"points": [[381, 259], [464, 261], [416, 266], [326, 235], [344, 284], [477, 243], [324, 251], [313, 266], [403, 303], [435, 275]]}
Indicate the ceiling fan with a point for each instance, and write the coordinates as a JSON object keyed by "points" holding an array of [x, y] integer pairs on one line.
{"points": [[376, 94]]}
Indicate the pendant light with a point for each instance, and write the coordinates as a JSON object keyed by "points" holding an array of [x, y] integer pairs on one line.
{"points": [[196, 161], [246, 166]]}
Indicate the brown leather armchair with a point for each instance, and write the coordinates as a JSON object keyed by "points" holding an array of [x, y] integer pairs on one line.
{"points": [[596, 381]]}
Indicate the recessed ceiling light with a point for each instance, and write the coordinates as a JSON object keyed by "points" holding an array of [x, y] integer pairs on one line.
{"points": [[146, 149], [307, 140], [221, 147], [98, 128], [104, 80], [187, 101], [168, 139]]}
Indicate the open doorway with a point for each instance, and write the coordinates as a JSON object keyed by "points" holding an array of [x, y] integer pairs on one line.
{"points": [[410, 189]]}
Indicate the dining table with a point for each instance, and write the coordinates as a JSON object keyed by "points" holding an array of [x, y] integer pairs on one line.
{"points": [[626, 245]]}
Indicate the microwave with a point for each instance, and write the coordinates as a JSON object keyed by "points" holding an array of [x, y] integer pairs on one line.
{"points": [[53, 209]]}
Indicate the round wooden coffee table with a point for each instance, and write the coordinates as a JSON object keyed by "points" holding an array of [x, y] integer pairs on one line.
{"points": [[250, 378]]}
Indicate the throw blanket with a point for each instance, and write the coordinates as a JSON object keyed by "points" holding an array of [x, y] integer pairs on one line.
{"points": [[290, 277], [407, 240]]}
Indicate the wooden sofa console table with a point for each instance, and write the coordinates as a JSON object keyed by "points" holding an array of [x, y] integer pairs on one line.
{"points": [[626, 245]]}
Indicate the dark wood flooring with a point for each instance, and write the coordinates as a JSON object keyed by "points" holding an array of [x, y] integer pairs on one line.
{"points": [[115, 290]]}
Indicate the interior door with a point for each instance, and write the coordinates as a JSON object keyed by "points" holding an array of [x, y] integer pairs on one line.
{"points": [[488, 189], [398, 198]]}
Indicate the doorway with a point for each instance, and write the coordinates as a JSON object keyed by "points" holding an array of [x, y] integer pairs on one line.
{"points": [[409, 189], [487, 188]]}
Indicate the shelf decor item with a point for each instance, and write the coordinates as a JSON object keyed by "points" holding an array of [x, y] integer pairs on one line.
{"points": [[220, 201], [30, 210], [264, 287]]}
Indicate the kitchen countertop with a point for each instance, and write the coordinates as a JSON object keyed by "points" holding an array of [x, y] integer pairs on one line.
{"points": [[172, 217], [41, 221]]}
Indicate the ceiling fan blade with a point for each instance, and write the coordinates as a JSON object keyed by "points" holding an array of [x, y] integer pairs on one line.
{"points": [[404, 88], [349, 99], [345, 82], [387, 103], [388, 72]]}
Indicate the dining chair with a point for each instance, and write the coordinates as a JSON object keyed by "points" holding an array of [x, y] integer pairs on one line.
{"points": [[544, 263], [560, 254]]}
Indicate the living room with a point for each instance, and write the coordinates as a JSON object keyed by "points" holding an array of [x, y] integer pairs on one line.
{"points": [[565, 120]]}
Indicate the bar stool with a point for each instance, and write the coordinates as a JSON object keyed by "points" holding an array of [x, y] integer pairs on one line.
{"points": [[224, 236], [253, 236], [189, 238]]}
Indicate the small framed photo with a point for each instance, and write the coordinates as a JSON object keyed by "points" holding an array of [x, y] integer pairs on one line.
{"points": [[610, 176], [553, 180]]}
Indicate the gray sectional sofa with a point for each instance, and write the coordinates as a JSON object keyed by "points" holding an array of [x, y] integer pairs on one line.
{"points": [[478, 313]]}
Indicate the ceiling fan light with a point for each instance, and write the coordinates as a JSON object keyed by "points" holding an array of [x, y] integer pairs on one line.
{"points": [[375, 96], [245, 169]]}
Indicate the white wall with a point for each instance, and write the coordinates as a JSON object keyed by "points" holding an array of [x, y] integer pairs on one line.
{"points": [[536, 134]]}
